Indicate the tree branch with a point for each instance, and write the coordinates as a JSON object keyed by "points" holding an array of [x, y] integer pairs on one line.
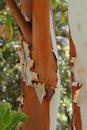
{"points": [[24, 26]]}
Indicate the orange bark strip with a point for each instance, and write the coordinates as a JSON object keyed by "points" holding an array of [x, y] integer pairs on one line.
{"points": [[45, 64], [72, 46], [38, 113], [77, 117], [39, 118], [24, 26], [76, 109]]}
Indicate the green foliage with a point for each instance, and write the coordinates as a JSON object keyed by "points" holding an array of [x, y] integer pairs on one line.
{"points": [[10, 120], [65, 109], [10, 83], [55, 3], [2, 4]]}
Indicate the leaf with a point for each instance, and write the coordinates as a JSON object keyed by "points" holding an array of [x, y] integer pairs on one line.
{"points": [[6, 32], [10, 120], [17, 118], [54, 3]]}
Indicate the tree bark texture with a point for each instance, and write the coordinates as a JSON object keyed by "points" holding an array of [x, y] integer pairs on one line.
{"points": [[75, 86], [39, 118], [44, 65], [39, 61], [78, 29]]}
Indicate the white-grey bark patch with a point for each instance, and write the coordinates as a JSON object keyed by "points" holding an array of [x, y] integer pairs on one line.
{"points": [[20, 99], [28, 75], [40, 91], [28, 64]]}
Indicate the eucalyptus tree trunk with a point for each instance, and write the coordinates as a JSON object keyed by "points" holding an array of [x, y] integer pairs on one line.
{"points": [[39, 63], [78, 61]]}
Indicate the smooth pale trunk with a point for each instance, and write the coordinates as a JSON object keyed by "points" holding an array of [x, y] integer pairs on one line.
{"points": [[77, 11]]}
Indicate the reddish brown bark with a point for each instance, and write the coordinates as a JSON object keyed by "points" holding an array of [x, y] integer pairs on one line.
{"points": [[76, 109], [38, 113], [72, 50], [45, 64], [26, 7]]}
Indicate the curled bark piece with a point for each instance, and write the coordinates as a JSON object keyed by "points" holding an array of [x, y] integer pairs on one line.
{"points": [[72, 59], [76, 84], [21, 99], [77, 90]]}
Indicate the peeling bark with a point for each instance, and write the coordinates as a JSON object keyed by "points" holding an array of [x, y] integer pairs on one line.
{"points": [[45, 64], [78, 28], [38, 113], [75, 87], [39, 58]]}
